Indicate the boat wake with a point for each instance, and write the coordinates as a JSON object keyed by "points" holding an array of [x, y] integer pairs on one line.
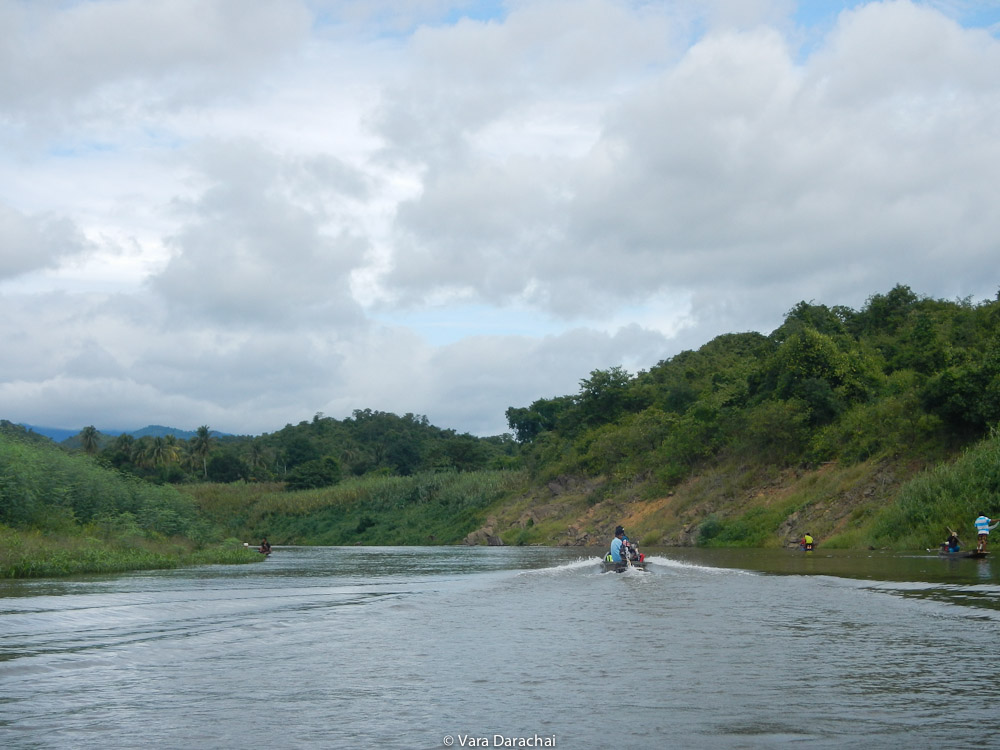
{"points": [[580, 564], [654, 564], [667, 562]]}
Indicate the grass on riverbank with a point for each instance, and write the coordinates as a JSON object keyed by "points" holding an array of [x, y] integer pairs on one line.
{"points": [[947, 496], [34, 554], [428, 508]]}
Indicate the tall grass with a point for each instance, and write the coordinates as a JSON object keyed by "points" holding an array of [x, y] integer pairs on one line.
{"points": [[36, 554], [42, 486], [948, 496], [63, 514], [428, 508]]}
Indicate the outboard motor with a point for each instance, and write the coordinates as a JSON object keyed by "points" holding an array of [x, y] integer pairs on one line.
{"points": [[630, 553]]}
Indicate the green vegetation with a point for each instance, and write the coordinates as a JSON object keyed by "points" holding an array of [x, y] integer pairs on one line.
{"points": [[36, 554], [821, 422], [304, 456], [62, 514], [872, 427], [946, 496], [428, 508]]}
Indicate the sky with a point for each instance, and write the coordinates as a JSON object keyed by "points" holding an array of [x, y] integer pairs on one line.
{"points": [[243, 214]]}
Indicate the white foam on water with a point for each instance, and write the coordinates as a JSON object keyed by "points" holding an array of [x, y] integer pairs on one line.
{"points": [[679, 565], [633, 571], [583, 562]]}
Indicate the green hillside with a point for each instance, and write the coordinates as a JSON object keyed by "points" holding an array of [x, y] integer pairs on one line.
{"points": [[751, 438]]}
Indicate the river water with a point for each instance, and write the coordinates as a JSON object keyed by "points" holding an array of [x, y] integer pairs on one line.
{"points": [[418, 647]]}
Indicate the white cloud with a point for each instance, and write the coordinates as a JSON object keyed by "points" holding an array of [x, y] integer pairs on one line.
{"points": [[242, 214], [269, 243], [739, 163], [105, 58], [30, 243]]}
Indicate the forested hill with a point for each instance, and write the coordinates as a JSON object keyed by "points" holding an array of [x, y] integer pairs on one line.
{"points": [[902, 384], [904, 375]]}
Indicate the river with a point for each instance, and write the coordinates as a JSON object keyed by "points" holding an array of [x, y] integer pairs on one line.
{"points": [[368, 647]]}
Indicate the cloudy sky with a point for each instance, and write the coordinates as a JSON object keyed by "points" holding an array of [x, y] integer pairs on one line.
{"points": [[241, 213]]}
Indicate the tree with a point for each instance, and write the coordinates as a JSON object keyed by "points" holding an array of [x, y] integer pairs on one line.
{"points": [[886, 313], [466, 453], [543, 415], [90, 439], [257, 457], [201, 446], [226, 468], [121, 453], [322, 472], [156, 452], [604, 396], [124, 444], [820, 318]]}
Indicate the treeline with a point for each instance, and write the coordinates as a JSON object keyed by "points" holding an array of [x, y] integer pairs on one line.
{"points": [[904, 376], [311, 454]]}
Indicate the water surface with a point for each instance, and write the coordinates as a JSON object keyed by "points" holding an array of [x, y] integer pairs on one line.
{"points": [[403, 647]]}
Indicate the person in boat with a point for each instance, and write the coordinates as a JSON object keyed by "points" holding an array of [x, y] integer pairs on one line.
{"points": [[622, 550], [630, 551], [983, 529], [951, 544], [265, 546], [615, 555], [807, 542]]}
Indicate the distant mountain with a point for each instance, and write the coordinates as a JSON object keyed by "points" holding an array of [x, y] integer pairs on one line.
{"points": [[60, 434], [158, 430], [57, 434]]}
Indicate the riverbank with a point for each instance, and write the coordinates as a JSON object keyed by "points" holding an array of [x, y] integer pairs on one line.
{"points": [[33, 554], [729, 504]]}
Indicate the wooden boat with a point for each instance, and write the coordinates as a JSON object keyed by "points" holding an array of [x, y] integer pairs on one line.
{"points": [[621, 567], [962, 555]]}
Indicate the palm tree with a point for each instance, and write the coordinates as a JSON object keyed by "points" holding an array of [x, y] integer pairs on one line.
{"points": [[256, 455], [90, 439], [125, 444], [172, 451], [156, 452], [201, 446]]}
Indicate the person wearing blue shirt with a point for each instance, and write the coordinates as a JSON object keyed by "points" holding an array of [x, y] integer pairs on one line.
{"points": [[616, 545], [983, 530]]}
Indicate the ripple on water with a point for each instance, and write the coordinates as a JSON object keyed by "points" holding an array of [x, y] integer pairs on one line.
{"points": [[310, 653]]}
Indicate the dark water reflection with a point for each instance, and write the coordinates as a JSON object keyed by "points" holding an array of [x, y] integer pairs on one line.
{"points": [[919, 574], [400, 647], [876, 565]]}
